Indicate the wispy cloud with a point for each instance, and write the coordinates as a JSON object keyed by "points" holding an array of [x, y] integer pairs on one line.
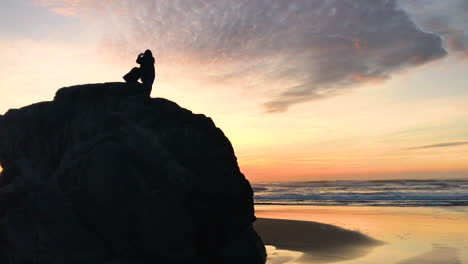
{"points": [[78, 7], [441, 145], [301, 50]]}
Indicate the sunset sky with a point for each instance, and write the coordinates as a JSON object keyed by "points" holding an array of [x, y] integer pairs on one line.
{"points": [[304, 89]]}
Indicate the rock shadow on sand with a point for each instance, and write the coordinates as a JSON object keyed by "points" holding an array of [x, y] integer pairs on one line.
{"points": [[319, 243]]}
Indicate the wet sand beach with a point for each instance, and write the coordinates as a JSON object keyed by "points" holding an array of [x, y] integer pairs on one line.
{"points": [[351, 235], [301, 239]]}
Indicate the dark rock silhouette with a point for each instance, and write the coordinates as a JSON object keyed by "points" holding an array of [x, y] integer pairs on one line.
{"points": [[146, 72], [102, 174]]}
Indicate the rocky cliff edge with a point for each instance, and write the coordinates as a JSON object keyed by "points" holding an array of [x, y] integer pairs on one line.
{"points": [[102, 174]]}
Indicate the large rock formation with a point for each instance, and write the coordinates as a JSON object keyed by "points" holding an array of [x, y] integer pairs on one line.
{"points": [[102, 174]]}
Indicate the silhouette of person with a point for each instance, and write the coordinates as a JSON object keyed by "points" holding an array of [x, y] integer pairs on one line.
{"points": [[147, 74]]}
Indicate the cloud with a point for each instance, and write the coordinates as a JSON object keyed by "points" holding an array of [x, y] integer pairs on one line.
{"points": [[78, 7], [300, 50], [448, 19], [441, 145]]}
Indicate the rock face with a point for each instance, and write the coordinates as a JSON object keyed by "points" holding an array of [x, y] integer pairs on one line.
{"points": [[102, 174]]}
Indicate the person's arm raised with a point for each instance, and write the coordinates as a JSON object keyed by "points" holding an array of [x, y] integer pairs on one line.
{"points": [[139, 58]]}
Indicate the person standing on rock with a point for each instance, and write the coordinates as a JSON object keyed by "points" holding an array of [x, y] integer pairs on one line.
{"points": [[145, 72]]}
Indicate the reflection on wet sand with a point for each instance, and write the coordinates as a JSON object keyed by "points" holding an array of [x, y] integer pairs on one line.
{"points": [[280, 256], [438, 255], [411, 235]]}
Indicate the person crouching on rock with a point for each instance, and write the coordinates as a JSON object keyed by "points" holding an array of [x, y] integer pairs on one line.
{"points": [[145, 72]]}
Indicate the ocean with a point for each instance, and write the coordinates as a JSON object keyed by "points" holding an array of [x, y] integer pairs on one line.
{"points": [[403, 193]]}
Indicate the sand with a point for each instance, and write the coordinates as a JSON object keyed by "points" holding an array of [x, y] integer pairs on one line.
{"points": [[364, 235], [318, 243]]}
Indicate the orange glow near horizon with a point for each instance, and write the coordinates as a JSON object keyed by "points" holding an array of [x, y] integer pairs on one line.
{"points": [[359, 167]]}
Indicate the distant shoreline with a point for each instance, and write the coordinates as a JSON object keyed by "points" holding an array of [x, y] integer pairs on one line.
{"points": [[363, 180], [454, 204]]}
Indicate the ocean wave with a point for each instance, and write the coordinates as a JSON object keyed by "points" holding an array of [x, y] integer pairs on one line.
{"points": [[369, 193]]}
